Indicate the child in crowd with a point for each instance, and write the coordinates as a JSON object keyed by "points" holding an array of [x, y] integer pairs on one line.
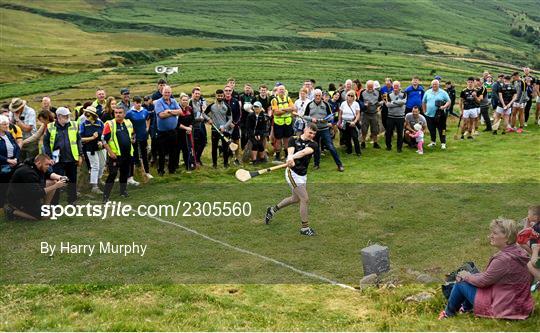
{"points": [[529, 239], [419, 136]]}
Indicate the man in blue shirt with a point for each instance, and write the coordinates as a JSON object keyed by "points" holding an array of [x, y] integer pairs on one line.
{"points": [[140, 118], [434, 102], [167, 111], [415, 93]]}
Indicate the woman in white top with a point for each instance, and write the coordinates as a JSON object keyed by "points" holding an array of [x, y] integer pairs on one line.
{"points": [[300, 105], [349, 118]]}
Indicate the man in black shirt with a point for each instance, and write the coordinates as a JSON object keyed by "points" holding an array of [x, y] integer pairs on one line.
{"points": [[507, 96], [482, 92], [32, 185], [469, 108], [299, 150]]}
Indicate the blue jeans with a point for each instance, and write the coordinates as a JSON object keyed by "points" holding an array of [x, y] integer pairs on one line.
{"points": [[463, 293], [324, 137]]}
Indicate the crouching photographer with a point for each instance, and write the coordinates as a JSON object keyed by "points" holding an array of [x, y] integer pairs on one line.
{"points": [[32, 185]]}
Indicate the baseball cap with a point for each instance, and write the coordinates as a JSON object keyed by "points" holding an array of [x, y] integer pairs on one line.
{"points": [[124, 91], [62, 111], [257, 104], [438, 77]]}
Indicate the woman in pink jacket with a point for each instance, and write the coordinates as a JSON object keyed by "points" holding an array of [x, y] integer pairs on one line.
{"points": [[503, 290]]}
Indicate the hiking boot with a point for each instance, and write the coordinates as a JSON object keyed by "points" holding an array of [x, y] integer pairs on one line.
{"points": [[363, 145], [307, 231], [340, 168], [376, 145], [270, 212]]}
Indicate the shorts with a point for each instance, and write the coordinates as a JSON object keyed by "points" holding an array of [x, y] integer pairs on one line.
{"points": [[370, 120], [257, 145], [283, 131], [235, 135], [519, 105], [537, 99], [500, 110], [294, 180], [471, 113]]}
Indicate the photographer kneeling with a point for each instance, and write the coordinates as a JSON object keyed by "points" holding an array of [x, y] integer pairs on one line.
{"points": [[31, 186], [503, 290]]}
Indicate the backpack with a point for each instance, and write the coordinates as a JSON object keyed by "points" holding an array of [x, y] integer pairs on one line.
{"points": [[451, 277]]}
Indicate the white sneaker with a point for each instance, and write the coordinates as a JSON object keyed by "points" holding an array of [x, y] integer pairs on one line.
{"points": [[443, 146], [149, 176], [525, 125], [420, 152], [432, 144], [132, 181]]}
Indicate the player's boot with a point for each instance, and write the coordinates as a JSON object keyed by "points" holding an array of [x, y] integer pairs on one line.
{"points": [[270, 212], [307, 231]]}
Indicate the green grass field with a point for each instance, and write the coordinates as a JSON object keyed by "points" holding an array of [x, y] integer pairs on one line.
{"points": [[235, 273], [432, 211]]}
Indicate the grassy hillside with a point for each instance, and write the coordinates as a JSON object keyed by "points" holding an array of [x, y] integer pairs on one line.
{"points": [[53, 37]]}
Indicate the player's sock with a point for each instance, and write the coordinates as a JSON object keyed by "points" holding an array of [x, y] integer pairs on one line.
{"points": [[305, 224]]}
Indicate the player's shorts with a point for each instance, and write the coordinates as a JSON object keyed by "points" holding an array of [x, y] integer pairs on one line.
{"points": [[235, 135], [471, 113], [294, 180], [283, 131], [519, 105], [500, 110], [257, 145]]}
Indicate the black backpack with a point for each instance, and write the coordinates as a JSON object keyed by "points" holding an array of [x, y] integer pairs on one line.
{"points": [[451, 277]]}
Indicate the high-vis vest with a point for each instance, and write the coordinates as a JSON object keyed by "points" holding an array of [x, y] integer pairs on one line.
{"points": [[72, 135], [113, 143], [284, 119]]}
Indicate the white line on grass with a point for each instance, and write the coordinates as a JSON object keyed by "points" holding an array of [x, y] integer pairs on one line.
{"points": [[260, 256]]}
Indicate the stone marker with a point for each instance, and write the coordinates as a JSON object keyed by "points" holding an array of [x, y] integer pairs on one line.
{"points": [[375, 259]]}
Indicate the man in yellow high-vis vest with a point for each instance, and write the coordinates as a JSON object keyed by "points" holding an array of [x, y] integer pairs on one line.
{"points": [[118, 138], [283, 110], [62, 143]]}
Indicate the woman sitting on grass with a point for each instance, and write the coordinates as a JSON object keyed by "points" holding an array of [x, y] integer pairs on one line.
{"points": [[503, 290]]}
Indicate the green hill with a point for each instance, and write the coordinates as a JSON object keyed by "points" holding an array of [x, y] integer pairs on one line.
{"points": [[41, 38]]}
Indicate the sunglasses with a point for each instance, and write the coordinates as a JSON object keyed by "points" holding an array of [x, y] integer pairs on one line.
{"points": [[350, 96]]}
